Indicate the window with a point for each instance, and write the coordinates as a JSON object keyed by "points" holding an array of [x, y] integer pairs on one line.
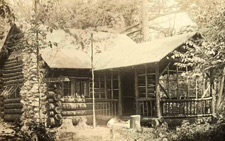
{"points": [[75, 88], [66, 88]]}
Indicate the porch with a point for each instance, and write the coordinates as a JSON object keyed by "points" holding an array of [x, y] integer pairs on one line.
{"points": [[153, 91]]}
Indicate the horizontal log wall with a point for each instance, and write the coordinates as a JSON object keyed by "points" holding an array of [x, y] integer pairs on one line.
{"points": [[12, 109], [1, 107], [12, 70], [105, 107]]}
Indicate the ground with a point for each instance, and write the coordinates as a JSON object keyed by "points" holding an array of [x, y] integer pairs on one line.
{"points": [[120, 131]]}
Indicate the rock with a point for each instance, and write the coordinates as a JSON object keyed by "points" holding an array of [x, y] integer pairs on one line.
{"points": [[67, 124], [112, 122], [82, 122]]}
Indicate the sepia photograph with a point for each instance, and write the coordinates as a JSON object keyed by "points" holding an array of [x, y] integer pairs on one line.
{"points": [[112, 70]]}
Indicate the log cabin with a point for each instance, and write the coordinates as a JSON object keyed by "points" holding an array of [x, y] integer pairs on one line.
{"points": [[130, 79], [145, 81]]}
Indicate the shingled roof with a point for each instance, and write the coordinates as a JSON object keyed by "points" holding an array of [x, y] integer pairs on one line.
{"points": [[117, 50], [66, 58], [68, 54], [147, 52]]}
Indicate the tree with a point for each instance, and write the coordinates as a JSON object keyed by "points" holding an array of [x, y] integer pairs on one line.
{"points": [[207, 54]]}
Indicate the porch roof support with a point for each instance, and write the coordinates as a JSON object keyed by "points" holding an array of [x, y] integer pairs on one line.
{"points": [[105, 86], [146, 81], [158, 108], [120, 95], [136, 90]]}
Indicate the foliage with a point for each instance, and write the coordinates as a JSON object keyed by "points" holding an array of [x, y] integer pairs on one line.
{"points": [[5, 12], [203, 132], [42, 133], [106, 15]]}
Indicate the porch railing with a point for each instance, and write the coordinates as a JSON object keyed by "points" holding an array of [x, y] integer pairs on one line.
{"points": [[186, 107], [146, 107], [106, 107]]}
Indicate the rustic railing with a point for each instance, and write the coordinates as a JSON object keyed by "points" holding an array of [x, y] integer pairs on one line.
{"points": [[106, 107], [146, 107], [172, 108]]}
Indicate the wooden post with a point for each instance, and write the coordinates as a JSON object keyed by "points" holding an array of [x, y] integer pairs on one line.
{"points": [[136, 90], [105, 85], [168, 81], [112, 86], [212, 93], [187, 84], [93, 81], [146, 81], [112, 105], [221, 90], [38, 57], [203, 83], [157, 98], [177, 83], [99, 82], [120, 95], [196, 88]]}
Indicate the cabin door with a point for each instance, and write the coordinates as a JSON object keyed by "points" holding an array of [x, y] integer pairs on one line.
{"points": [[128, 94]]}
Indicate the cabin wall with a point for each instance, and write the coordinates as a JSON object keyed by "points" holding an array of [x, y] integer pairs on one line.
{"points": [[68, 96], [12, 81], [74, 88]]}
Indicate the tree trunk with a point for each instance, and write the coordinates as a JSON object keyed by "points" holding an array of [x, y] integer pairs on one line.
{"points": [[212, 92], [221, 90]]}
